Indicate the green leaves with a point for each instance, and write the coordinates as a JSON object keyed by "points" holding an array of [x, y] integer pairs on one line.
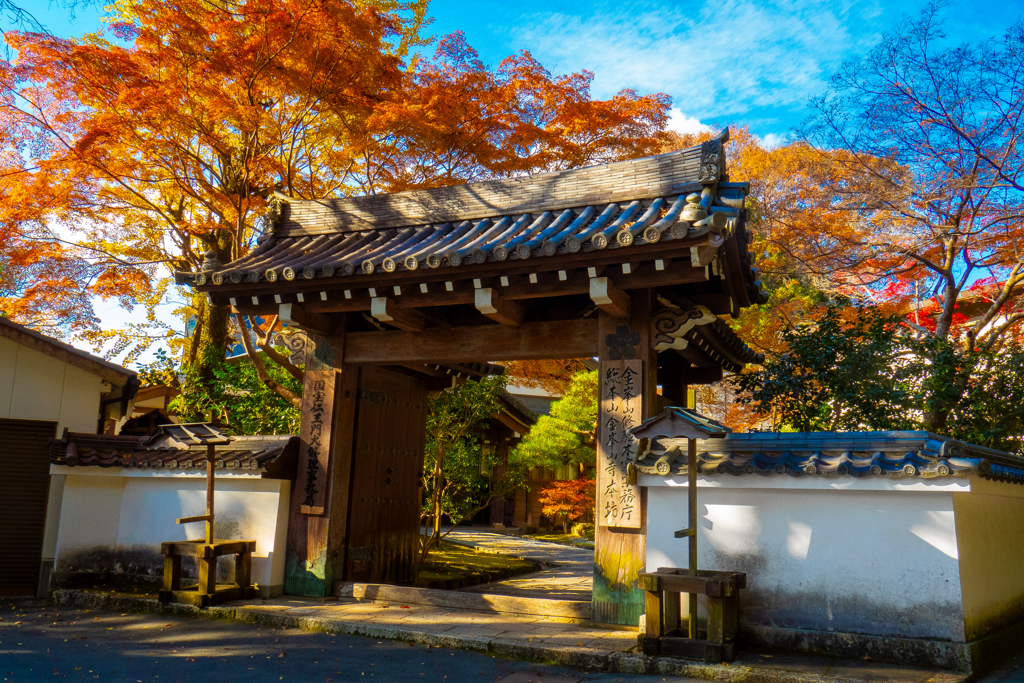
{"points": [[567, 435], [838, 374], [458, 461], [243, 403], [857, 368]]}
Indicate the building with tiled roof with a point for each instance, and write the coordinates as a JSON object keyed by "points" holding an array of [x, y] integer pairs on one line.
{"points": [[46, 386]]}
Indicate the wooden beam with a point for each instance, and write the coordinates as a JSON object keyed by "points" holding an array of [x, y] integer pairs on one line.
{"points": [[671, 367], [609, 298], [693, 354], [734, 269], [498, 308], [513, 424], [424, 369], [715, 341], [619, 553], [529, 341], [643, 276], [293, 314], [386, 311]]}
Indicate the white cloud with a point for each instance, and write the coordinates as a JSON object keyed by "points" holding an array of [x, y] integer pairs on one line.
{"points": [[718, 59], [685, 125], [773, 140]]}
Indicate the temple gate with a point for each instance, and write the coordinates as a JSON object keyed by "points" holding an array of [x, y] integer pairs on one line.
{"points": [[631, 263]]}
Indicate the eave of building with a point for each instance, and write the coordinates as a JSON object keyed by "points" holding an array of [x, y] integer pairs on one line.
{"points": [[539, 247], [271, 456], [895, 454]]}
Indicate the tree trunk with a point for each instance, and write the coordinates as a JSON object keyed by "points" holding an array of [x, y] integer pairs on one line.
{"points": [[435, 506]]}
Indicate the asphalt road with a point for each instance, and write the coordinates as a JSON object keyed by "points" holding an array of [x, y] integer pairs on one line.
{"points": [[41, 644], [1011, 672]]}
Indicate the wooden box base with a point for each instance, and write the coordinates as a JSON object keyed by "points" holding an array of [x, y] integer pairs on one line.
{"points": [[690, 648], [665, 628], [191, 595], [207, 592]]}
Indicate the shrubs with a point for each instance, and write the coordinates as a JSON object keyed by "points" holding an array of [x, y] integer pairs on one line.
{"points": [[570, 500], [583, 530]]}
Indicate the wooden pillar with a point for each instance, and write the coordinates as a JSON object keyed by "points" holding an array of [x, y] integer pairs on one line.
{"points": [[497, 507], [318, 511], [628, 386]]}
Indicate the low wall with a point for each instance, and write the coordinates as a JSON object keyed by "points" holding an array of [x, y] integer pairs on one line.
{"points": [[876, 562], [113, 521], [910, 570]]}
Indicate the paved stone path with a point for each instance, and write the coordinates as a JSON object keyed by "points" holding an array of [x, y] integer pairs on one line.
{"points": [[587, 646], [570, 579]]}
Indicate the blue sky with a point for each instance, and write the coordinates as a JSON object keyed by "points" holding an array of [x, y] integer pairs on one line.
{"points": [[728, 61], [723, 62]]}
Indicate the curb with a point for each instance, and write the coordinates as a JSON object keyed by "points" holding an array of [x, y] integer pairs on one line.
{"points": [[578, 657], [481, 602]]}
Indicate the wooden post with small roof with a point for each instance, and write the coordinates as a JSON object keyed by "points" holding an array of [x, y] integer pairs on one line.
{"points": [[660, 439], [209, 549]]}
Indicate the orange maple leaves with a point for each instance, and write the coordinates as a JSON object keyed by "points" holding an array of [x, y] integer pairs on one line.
{"points": [[155, 151], [571, 499]]}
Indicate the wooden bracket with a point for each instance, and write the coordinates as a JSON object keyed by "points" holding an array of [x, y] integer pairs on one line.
{"points": [[197, 518], [609, 298], [683, 533], [702, 256], [293, 314], [387, 311], [499, 309]]}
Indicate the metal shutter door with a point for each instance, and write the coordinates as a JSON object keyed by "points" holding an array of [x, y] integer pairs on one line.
{"points": [[24, 484]]}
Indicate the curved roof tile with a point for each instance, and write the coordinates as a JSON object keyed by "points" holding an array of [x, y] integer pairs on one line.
{"points": [[831, 454]]}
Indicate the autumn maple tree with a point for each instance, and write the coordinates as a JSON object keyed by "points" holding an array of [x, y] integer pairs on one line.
{"points": [[128, 156], [920, 147], [568, 500], [147, 158], [901, 191]]}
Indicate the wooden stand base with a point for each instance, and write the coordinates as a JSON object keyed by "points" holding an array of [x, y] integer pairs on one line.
{"points": [[207, 593], [664, 633]]}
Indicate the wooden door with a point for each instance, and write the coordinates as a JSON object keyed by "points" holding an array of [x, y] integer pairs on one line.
{"points": [[384, 510], [24, 487]]}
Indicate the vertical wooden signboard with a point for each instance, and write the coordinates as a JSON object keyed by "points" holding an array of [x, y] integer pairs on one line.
{"points": [[627, 386], [621, 387], [313, 528], [315, 439]]}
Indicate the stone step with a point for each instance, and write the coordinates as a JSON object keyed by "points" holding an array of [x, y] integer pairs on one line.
{"points": [[482, 602]]}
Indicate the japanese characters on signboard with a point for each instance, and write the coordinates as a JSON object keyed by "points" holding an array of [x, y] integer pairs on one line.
{"points": [[618, 501]]}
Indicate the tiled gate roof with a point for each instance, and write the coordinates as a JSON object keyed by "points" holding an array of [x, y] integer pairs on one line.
{"points": [[677, 197]]}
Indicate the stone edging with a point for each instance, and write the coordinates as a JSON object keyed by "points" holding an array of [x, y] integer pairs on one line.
{"points": [[579, 657]]}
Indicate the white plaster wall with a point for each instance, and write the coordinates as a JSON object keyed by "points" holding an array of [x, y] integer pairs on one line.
{"points": [[80, 401], [34, 386], [850, 557], [53, 503], [91, 512], [38, 385], [127, 527]]}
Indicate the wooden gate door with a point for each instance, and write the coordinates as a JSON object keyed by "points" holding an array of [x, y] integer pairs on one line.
{"points": [[23, 490], [384, 508]]}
